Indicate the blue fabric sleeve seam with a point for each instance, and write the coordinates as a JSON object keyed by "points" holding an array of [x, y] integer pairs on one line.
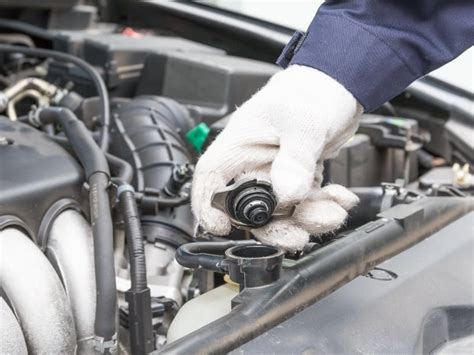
{"points": [[400, 58]]}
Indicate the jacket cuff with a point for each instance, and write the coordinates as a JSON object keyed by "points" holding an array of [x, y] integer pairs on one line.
{"points": [[363, 63]]}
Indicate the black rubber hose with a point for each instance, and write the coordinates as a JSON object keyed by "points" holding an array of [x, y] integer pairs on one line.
{"points": [[93, 160], [121, 170], [138, 296], [162, 202], [23, 27], [133, 233], [102, 230], [93, 74], [206, 255]]}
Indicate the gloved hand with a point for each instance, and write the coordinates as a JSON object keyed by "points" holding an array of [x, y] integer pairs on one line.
{"points": [[284, 132]]}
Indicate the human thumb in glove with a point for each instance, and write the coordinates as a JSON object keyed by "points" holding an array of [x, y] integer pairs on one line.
{"points": [[284, 132]]}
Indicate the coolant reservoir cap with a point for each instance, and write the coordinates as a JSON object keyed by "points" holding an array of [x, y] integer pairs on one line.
{"points": [[249, 203], [252, 204]]}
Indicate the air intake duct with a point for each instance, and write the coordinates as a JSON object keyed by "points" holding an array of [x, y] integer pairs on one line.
{"points": [[148, 134]]}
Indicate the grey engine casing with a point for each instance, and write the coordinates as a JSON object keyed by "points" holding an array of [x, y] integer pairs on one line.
{"points": [[47, 267]]}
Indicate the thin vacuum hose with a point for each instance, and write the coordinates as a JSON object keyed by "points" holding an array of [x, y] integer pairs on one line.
{"points": [[121, 169], [94, 75]]}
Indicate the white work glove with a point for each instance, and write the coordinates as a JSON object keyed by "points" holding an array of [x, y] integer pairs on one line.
{"points": [[284, 132]]}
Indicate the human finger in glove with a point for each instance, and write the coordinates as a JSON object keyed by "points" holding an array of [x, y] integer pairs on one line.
{"points": [[283, 133]]}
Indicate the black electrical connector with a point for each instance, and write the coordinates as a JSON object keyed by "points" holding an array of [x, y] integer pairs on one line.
{"points": [[140, 325], [180, 175]]}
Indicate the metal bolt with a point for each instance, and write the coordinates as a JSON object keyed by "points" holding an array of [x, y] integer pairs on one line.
{"points": [[5, 141], [462, 177]]}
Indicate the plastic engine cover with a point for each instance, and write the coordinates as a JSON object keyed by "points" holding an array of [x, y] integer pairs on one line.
{"points": [[35, 173]]}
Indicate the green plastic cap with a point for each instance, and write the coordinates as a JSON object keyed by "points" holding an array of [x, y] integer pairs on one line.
{"points": [[397, 122], [197, 136]]}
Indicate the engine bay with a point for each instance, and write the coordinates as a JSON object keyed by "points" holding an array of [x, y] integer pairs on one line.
{"points": [[100, 129]]}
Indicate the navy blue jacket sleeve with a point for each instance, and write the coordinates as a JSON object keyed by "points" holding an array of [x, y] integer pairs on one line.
{"points": [[376, 48]]}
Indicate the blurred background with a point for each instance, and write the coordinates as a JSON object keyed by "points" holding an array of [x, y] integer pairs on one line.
{"points": [[298, 15]]}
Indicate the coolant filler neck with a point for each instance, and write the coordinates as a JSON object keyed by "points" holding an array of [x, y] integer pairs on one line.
{"points": [[249, 203]]}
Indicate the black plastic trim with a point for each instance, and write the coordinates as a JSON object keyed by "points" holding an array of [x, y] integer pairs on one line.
{"points": [[320, 273]]}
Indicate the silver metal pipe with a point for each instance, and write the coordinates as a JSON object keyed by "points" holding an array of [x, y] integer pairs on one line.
{"points": [[36, 294], [36, 88], [71, 251], [30, 83], [12, 339]]}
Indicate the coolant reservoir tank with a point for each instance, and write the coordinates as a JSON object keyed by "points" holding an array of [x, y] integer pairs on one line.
{"points": [[202, 310]]}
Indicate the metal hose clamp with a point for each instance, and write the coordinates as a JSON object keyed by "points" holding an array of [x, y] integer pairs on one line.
{"points": [[102, 346]]}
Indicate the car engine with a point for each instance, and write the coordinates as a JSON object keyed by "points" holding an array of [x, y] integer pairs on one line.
{"points": [[100, 129]]}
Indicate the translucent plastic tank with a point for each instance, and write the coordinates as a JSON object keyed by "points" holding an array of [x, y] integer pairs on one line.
{"points": [[202, 310]]}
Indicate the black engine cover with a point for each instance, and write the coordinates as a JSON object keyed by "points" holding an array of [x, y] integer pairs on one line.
{"points": [[38, 178]]}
